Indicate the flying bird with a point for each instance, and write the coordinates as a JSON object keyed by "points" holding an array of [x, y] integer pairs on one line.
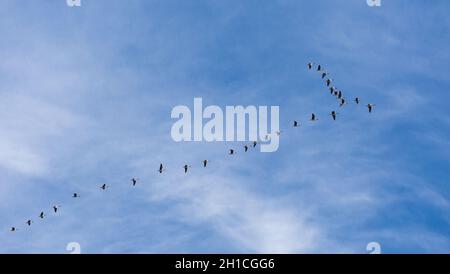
{"points": [[313, 117], [134, 181], [104, 187], [186, 167], [370, 107], [310, 65], [324, 75], [357, 100], [254, 143], [329, 82], [319, 68], [13, 229], [161, 169], [231, 152], [205, 162], [245, 148], [41, 215], [296, 124], [29, 222], [331, 90], [342, 102], [75, 195], [55, 208], [333, 114], [339, 95]]}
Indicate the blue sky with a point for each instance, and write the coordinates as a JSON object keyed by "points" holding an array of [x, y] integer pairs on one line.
{"points": [[86, 95]]}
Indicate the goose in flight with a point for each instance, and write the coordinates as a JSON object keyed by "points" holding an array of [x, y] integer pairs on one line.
{"points": [[245, 148], [134, 181], [370, 107], [339, 95], [333, 114], [310, 65], [329, 82], [13, 229], [313, 117], [55, 208], [29, 222], [75, 195], [205, 162], [104, 187], [357, 100], [41, 215], [332, 90], [186, 167], [296, 124], [231, 152], [319, 68], [161, 168], [324, 74], [342, 102], [254, 143]]}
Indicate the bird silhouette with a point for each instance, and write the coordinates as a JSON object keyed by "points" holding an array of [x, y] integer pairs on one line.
{"points": [[42, 215], [134, 181], [186, 167], [29, 222], [231, 152], [205, 162], [342, 102], [319, 68], [55, 208], [333, 114], [245, 148], [75, 195], [329, 82], [324, 74], [357, 100], [13, 229], [370, 107], [254, 143], [313, 117], [296, 124], [104, 187], [310, 65], [161, 169]]}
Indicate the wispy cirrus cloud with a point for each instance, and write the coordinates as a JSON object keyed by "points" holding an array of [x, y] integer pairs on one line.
{"points": [[90, 103]]}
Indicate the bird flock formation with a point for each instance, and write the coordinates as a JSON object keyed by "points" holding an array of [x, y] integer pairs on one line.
{"points": [[333, 91]]}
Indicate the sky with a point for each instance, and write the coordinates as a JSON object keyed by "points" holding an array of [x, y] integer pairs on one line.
{"points": [[86, 95]]}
